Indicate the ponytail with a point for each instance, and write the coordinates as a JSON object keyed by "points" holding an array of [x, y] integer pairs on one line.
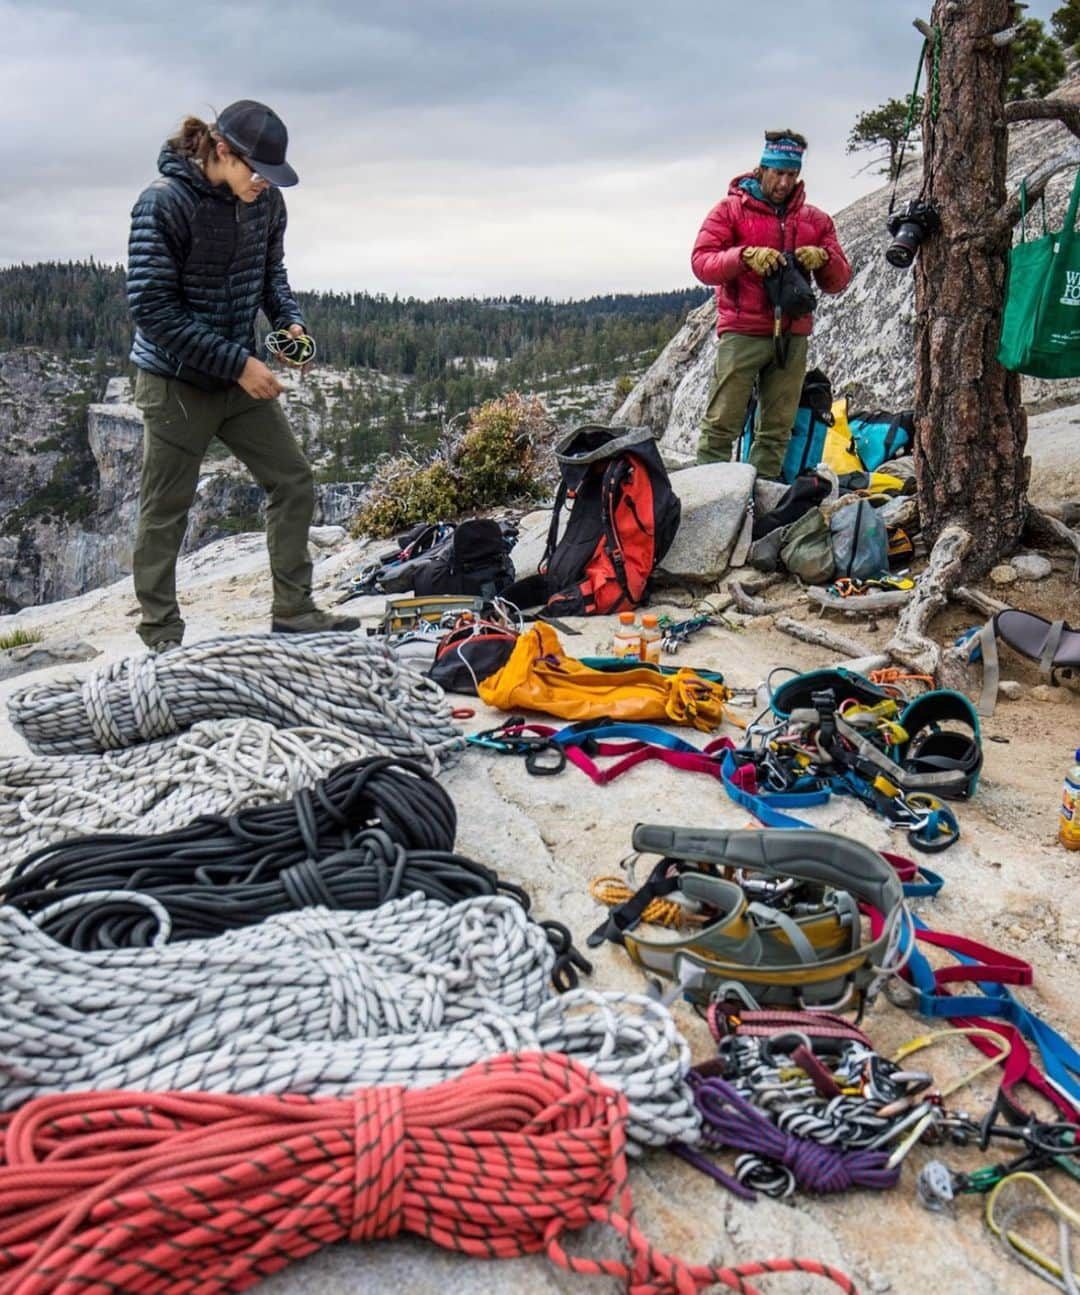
{"points": [[193, 139]]}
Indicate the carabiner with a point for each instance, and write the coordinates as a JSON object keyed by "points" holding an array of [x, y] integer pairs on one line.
{"points": [[540, 767], [935, 827]]}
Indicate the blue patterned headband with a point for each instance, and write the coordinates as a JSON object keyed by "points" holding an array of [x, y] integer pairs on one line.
{"points": [[783, 154]]}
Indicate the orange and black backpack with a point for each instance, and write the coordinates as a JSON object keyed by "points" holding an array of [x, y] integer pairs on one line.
{"points": [[623, 518]]}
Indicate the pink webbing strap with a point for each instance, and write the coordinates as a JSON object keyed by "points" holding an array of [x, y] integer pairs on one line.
{"points": [[1000, 968]]}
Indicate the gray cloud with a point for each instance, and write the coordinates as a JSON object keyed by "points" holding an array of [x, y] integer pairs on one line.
{"points": [[479, 146]]}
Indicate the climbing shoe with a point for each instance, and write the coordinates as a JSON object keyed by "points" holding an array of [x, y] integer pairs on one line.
{"points": [[313, 622]]}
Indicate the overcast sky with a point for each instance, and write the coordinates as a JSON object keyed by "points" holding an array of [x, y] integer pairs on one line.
{"points": [[447, 147]]}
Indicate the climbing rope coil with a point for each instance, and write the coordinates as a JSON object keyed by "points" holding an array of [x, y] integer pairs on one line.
{"points": [[413, 965], [348, 841], [205, 1016], [372, 831], [126, 1191], [219, 767], [335, 680]]}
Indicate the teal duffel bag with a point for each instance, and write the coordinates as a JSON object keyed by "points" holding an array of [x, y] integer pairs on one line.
{"points": [[1040, 330], [881, 435]]}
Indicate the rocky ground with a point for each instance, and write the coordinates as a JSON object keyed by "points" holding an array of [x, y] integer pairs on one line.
{"points": [[1008, 883]]}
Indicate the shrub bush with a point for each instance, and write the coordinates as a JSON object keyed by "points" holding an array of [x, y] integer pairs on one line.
{"points": [[502, 456]]}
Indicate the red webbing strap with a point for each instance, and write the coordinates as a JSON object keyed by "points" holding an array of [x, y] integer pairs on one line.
{"points": [[635, 753], [765, 1022], [1001, 968]]}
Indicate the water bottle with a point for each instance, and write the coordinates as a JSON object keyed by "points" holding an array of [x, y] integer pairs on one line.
{"points": [[650, 638], [627, 639], [1069, 825]]}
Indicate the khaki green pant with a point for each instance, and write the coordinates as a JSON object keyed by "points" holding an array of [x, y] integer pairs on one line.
{"points": [[739, 360], [179, 422]]}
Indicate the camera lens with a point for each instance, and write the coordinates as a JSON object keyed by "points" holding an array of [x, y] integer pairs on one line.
{"points": [[901, 251]]}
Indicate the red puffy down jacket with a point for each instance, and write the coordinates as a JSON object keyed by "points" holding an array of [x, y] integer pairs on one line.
{"points": [[742, 220]]}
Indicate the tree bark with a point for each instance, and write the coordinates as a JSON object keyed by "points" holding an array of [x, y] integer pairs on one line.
{"points": [[970, 426]]}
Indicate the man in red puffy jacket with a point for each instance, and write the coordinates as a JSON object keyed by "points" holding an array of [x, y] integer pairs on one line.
{"points": [[740, 243]]}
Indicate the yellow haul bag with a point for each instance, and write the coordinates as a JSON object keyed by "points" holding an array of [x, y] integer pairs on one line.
{"points": [[540, 676], [838, 451]]}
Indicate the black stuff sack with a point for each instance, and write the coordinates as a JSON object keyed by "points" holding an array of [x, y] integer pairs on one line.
{"points": [[468, 655], [476, 562]]}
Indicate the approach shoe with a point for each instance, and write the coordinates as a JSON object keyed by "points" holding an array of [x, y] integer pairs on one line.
{"points": [[163, 645], [313, 622]]}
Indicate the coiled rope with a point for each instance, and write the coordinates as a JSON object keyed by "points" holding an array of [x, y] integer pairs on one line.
{"points": [[70, 1022], [333, 680], [778, 1160], [364, 820], [413, 965], [219, 767], [373, 830], [124, 1192]]}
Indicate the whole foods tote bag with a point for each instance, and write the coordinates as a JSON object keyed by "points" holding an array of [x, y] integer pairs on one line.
{"points": [[1040, 331]]}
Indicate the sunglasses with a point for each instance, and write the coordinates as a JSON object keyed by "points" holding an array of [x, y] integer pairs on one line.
{"points": [[256, 178]]}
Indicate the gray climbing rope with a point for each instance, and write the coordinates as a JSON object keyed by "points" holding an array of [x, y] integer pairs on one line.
{"points": [[322, 1003], [336, 681], [219, 767]]}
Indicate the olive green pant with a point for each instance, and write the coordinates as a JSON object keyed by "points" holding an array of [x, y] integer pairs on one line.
{"points": [[179, 422], [739, 360]]}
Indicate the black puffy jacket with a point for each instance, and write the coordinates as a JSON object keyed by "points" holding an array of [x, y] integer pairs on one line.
{"points": [[200, 264]]}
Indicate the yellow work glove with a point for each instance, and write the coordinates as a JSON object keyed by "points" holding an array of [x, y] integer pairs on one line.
{"points": [[762, 260], [811, 258]]}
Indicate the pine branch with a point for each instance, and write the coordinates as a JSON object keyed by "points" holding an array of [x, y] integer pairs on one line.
{"points": [[1062, 110], [1007, 216]]}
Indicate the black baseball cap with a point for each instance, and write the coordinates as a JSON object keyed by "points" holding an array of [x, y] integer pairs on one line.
{"points": [[258, 135]]}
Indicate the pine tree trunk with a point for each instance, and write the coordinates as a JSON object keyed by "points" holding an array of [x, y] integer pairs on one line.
{"points": [[971, 428]]}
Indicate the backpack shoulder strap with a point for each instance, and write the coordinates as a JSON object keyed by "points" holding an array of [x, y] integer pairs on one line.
{"points": [[553, 530]]}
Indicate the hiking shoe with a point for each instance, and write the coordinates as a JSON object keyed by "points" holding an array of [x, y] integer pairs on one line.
{"points": [[314, 622]]}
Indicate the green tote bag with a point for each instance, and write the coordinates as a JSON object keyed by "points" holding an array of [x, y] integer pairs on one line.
{"points": [[1040, 331]]}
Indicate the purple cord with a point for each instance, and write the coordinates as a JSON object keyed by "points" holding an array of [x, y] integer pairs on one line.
{"points": [[731, 1121]]}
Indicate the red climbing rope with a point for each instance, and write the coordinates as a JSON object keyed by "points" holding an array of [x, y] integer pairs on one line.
{"points": [[177, 1192]]}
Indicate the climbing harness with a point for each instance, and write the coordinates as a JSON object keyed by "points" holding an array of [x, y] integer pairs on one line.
{"points": [[297, 352], [502, 1161], [326, 680], [834, 732], [782, 922], [1055, 645]]}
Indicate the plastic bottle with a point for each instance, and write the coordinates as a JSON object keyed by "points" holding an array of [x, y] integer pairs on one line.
{"points": [[1069, 826], [650, 638], [627, 640]]}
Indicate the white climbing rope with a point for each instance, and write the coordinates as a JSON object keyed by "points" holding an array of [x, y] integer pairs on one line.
{"points": [[332, 680], [219, 767], [287, 1007], [413, 964]]}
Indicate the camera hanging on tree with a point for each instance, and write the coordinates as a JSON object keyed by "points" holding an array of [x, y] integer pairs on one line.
{"points": [[918, 220]]}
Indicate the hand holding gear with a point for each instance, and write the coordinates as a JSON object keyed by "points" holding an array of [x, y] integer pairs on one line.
{"points": [[762, 260], [811, 258], [291, 346]]}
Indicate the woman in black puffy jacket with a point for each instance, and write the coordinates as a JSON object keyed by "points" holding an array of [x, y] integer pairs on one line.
{"points": [[206, 252]]}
